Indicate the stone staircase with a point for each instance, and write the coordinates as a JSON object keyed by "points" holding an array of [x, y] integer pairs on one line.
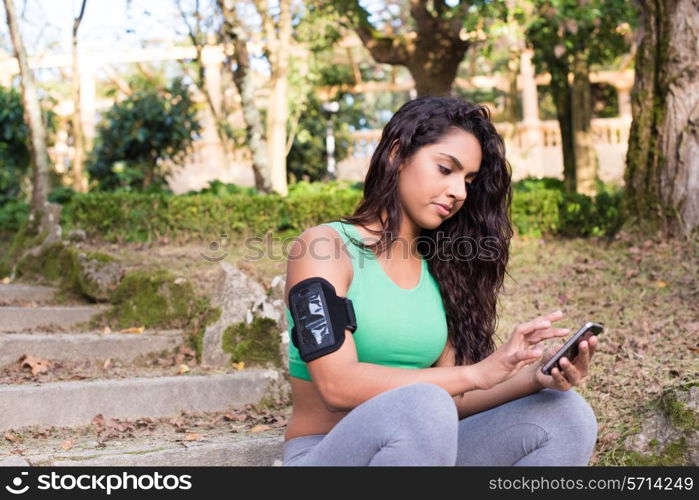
{"points": [[134, 397]]}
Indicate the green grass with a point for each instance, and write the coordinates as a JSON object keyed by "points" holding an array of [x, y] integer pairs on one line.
{"points": [[649, 342]]}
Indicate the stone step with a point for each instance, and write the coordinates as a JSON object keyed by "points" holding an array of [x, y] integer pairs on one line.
{"points": [[17, 292], [86, 346], [77, 402], [13, 319], [262, 449]]}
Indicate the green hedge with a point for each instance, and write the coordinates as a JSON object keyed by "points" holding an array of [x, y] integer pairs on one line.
{"points": [[143, 217], [540, 207]]}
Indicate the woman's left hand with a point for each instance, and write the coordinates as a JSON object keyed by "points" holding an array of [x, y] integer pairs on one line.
{"points": [[572, 373]]}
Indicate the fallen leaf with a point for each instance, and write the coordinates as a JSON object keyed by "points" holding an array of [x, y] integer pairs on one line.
{"points": [[182, 369], [187, 351], [135, 329], [280, 423], [11, 437], [260, 428], [239, 366], [661, 284], [67, 444], [630, 273], [192, 436], [107, 330], [37, 365], [5, 280], [107, 363], [98, 420], [116, 425], [234, 417]]}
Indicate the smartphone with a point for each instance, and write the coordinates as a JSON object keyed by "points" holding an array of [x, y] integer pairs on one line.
{"points": [[570, 348]]}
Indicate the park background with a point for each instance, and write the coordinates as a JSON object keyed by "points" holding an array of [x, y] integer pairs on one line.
{"points": [[157, 159]]}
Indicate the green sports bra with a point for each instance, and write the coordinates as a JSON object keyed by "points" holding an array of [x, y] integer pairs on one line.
{"points": [[399, 327]]}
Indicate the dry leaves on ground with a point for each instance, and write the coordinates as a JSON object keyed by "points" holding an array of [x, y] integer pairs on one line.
{"points": [[135, 329], [36, 365]]}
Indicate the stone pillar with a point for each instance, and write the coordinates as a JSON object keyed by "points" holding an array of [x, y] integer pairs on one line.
{"points": [[212, 58], [624, 97], [213, 155], [533, 138], [5, 79], [87, 100]]}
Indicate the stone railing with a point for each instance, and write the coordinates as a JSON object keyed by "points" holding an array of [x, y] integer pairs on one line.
{"points": [[532, 150]]}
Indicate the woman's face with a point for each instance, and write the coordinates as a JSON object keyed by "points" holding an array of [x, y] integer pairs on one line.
{"points": [[438, 174]]}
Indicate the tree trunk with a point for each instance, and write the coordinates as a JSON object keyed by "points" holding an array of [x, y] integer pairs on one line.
{"points": [[32, 111], [562, 97], [585, 154], [79, 180], [432, 52], [233, 32], [662, 164], [278, 109], [434, 61], [207, 78]]}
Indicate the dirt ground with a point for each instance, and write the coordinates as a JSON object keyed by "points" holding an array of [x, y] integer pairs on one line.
{"points": [[644, 291]]}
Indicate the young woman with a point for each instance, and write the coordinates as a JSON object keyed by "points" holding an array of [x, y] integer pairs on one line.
{"points": [[423, 258]]}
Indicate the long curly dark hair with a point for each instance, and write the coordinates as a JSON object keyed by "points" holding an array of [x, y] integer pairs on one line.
{"points": [[469, 288]]}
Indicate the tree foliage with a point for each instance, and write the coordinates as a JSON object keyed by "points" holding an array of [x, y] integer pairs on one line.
{"points": [[562, 28], [139, 136], [15, 158], [14, 150]]}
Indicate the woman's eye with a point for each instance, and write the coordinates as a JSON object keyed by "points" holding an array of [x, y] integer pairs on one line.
{"points": [[444, 170]]}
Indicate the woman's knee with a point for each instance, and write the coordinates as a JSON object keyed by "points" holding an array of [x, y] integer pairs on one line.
{"points": [[425, 403], [573, 415]]}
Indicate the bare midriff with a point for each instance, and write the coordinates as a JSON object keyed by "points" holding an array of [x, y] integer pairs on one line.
{"points": [[309, 415]]}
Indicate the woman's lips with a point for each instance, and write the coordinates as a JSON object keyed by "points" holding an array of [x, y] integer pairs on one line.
{"points": [[441, 209]]}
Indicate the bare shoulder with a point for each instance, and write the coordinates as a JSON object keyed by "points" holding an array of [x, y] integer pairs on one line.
{"points": [[318, 251]]}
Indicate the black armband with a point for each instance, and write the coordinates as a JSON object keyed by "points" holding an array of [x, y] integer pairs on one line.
{"points": [[320, 318]]}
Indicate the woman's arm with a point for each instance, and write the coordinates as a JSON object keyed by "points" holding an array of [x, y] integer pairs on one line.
{"points": [[522, 384], [477, 400], [361, 381]]}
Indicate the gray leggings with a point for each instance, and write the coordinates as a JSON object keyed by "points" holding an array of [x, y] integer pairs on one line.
{"points": [[417, 424]]}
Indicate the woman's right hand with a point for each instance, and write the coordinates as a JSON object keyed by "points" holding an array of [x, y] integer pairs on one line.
{"points": [[516, 353]]}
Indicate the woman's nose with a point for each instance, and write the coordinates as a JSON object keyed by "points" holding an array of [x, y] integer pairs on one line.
{"points": [[457, 190]]}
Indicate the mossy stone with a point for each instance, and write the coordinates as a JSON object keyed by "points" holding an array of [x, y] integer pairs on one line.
{"points": [[256, 343], [673, 454], [682, 417], [209, 316], [154, 298], [685, 424], [67, 267]]}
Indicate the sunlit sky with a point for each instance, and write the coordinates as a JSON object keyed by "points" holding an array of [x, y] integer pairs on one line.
{"points": [[107, 24], [46, 24]]}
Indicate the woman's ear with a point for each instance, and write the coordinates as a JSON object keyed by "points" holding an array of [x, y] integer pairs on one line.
{"points": [[393, 153]]}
